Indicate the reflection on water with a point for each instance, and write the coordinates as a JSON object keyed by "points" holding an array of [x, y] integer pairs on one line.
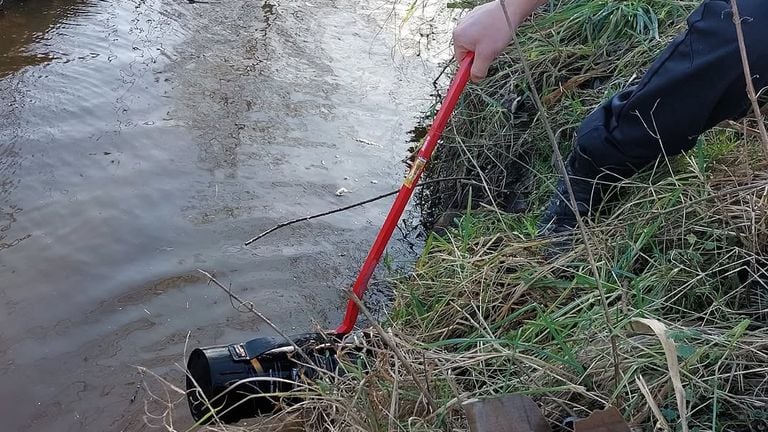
{"points": [[26, 23], [142, 140]]}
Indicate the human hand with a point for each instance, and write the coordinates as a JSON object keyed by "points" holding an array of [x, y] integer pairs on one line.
{"points": [[486, 32]]}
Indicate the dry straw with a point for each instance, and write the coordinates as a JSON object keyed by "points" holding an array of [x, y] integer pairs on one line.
{"points": [[680, 255]]}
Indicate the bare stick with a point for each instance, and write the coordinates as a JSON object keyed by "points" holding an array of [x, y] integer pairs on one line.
{"points": [[437, 78], [345, 208], [249, 306], [406, 364], [574, 205], [748, 76], [314, 216]]}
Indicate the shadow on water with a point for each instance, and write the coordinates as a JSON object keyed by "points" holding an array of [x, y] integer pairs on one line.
{"points": [[26, 23], [24, 27]]}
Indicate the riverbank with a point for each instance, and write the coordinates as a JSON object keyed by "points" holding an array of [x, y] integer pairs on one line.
{"points": [[671, 328]]}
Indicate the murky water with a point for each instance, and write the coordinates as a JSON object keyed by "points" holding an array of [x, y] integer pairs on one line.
{"points": [[142, 140]]}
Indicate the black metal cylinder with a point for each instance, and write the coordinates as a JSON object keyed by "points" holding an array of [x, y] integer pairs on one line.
{"points": [[248, 379], [216, 383]]}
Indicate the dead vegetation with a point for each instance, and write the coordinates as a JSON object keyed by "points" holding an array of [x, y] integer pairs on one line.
{"points": [[680, 254]]}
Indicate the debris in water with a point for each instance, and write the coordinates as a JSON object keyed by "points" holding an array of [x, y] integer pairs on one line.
{"points": [[342, 192], [374, 182], [366, 142]]}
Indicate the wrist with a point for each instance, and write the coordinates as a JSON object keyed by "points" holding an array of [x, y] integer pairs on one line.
{"points": [[519, 10], [514, 16]]}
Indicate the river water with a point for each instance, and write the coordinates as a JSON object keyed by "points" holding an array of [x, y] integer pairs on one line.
{"points": [[142, 140]]}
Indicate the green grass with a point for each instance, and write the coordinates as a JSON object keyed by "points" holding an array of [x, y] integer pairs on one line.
{"points": [[580, 53], [484, 312]]}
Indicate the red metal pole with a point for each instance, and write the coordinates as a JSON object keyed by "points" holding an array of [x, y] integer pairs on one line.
{"points": [[409, 184]]}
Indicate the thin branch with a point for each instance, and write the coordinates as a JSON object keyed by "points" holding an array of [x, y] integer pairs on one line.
{"points": [[345, 208], [748, 77], [574, 205], [437, 78], [406, 364], [249, 306]]}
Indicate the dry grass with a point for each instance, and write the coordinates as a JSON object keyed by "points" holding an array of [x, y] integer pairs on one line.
{"points": [[681, 255], [483, 313]]}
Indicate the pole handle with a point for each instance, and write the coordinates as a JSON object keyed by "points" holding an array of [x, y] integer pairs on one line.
{"points": [[406, 190]]}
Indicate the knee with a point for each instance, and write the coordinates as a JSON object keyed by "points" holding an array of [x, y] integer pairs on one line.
{"points": [[716, 25], [751, 10], [754, 23], [754, 19]]}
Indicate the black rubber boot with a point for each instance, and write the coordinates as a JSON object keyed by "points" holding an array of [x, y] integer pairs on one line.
{"points": [[590, 184], [696, 83]]}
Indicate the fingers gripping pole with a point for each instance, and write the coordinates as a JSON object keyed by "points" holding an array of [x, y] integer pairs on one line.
{"points": [[406, 190]]}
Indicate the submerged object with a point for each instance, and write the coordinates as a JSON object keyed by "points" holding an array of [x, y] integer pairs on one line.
{"points": [[242, 380], [232, 382]]}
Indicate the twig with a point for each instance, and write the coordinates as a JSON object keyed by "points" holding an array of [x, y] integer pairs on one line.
{"points": [[574, 206], [366, 142], [437, 78], [249, 306], [345, 208], [393, 404], [748, 77], [406, 364]]}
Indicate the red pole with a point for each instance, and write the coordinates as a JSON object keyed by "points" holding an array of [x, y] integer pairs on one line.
{"points": [[409, 184]]}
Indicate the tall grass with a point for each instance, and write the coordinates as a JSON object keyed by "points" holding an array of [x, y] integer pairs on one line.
{"points": [[681, 255], [483, 313], [580, 53]]}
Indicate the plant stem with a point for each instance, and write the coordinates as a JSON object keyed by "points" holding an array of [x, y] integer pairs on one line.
{"points": [[582, 228], [748, 77]]}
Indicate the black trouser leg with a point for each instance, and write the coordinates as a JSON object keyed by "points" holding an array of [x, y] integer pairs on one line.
{"points": [[696, 83]]}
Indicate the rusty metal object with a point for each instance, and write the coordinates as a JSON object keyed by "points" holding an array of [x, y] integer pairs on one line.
{"points": [[508, 413]]}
